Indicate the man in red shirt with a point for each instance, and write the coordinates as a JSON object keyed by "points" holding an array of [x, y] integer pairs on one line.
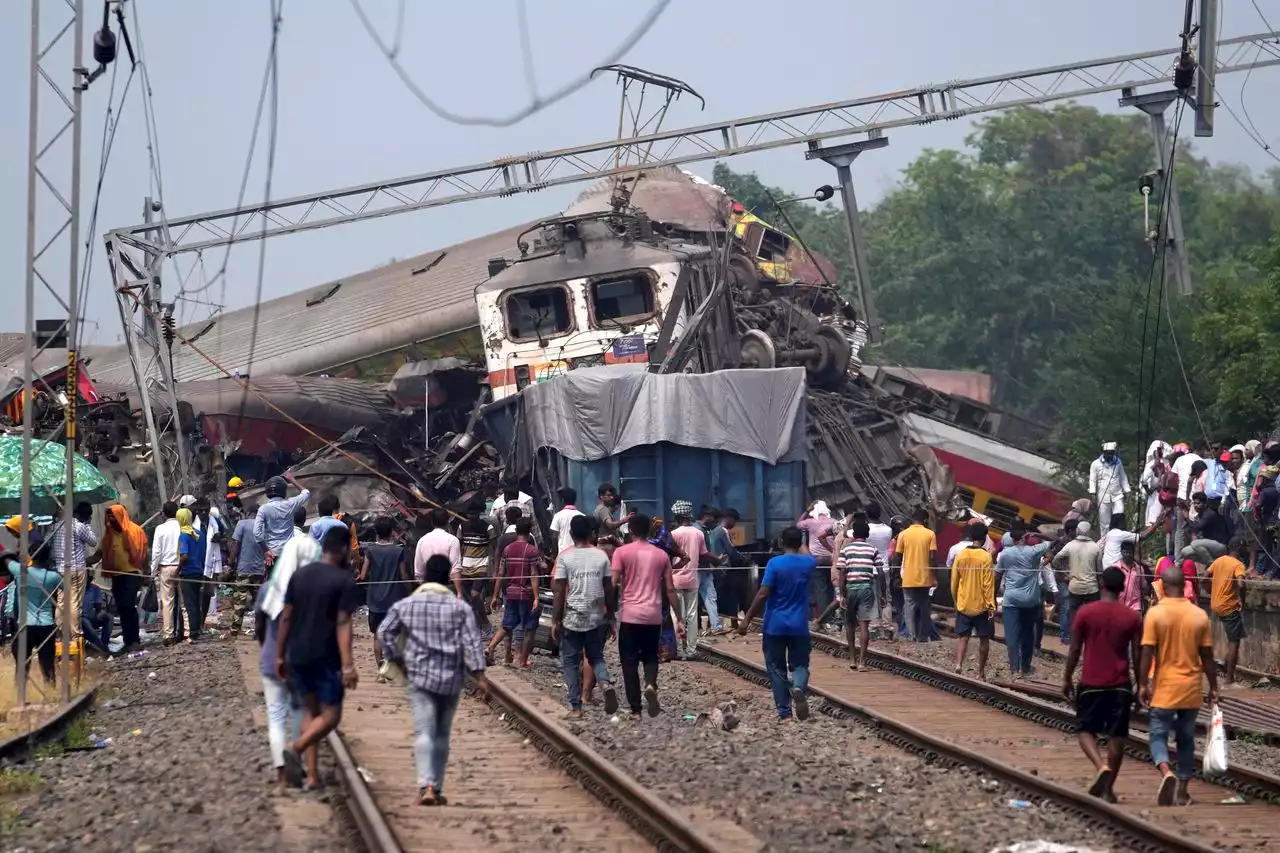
{"points": [[1109, 633], [642, 576], [517, 577]]}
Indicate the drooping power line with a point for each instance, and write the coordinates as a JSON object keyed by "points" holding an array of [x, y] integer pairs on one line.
{"points": [[537, 104]]}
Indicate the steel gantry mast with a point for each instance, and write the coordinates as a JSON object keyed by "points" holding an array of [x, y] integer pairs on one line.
{"points": [[807, 125], [58, 78], [137, 281]]}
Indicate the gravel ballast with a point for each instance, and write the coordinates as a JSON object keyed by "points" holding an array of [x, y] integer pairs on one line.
{"points": [[819, 785], [185, 770], [942, 654]]}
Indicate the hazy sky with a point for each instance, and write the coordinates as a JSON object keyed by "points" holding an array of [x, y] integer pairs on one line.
{"points": [[345, 118]]}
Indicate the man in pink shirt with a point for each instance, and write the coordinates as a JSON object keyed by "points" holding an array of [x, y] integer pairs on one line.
{"points": [[642, 575], [439, 541], [694, 544]]}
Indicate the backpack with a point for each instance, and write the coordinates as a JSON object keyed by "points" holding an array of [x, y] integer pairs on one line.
{"points": [[1215, 483]]}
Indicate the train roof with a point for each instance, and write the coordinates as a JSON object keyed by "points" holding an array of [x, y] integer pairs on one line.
{"points": [[325, 326]]}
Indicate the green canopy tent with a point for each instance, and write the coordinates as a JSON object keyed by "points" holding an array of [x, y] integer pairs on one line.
{"points": [[48, 478]]}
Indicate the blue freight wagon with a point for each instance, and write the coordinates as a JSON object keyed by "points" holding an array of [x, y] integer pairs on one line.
{"points": [[732, 438], [651, 477]]}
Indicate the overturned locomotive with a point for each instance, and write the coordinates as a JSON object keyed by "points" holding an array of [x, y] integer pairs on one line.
{"points": [[682, 279]]}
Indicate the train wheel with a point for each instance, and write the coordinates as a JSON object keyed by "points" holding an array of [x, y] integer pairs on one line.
{"points": [[757, 349], [831, 365]]}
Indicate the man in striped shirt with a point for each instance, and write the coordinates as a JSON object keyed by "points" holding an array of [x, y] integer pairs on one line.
{"points": [[859, 563]]}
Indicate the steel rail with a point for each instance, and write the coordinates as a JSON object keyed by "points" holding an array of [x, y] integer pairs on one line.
{"points": [[648, 815], [369, 819], [18, 747], [1253, 783], [1143, 835], [621, 794]]}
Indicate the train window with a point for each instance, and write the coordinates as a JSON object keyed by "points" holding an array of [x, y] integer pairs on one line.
{"points": [[1001, 512], [538, 314], [773, 246], [623, 298], [966, 496]]}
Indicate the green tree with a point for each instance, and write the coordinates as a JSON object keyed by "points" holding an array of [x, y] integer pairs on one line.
{"points": [[1024, 256], [1234, 336]]}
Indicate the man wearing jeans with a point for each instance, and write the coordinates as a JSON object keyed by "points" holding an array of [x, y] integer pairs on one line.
{"points": [[1081, 559], [916, 553], [432, 636], [1019, 567], [1175, 638], [583, 609], [784, 597]]}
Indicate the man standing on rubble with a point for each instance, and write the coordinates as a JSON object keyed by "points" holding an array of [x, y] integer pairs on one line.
{"points": [[1108, 484], [273, 526]]}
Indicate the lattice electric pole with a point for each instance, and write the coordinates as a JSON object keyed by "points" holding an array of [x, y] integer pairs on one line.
{"points": [[58, 77]]}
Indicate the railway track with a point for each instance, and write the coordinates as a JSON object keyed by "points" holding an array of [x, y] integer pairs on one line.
{"points": [[517, 781], [1025, 743], [1241, 714]]}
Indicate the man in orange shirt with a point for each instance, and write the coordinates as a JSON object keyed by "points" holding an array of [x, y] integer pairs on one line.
{"points": [[1227, 576], [1176, 637], [916, 554]]}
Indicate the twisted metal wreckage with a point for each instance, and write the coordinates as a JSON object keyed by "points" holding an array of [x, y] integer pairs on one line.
{"points": [[665, 270]]}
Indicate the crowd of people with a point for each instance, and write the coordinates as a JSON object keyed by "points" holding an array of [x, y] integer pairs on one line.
{"points": [[614, 573]]}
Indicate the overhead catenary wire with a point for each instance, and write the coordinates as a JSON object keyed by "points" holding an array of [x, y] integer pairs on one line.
{"points": [[264, 90], [537, 104], [273, 76]]}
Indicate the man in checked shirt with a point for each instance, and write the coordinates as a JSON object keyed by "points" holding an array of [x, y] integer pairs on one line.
{"points": [[432, 636]]}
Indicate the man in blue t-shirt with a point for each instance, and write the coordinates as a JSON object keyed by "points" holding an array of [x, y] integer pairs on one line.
{"points": [[784, 597]]}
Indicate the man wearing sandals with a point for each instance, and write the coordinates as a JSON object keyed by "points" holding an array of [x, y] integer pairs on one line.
{"points": [[1106, 633], [1175, 638]]}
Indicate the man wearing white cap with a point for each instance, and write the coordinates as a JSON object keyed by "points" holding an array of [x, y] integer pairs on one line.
{"points": [[1108, 484]]}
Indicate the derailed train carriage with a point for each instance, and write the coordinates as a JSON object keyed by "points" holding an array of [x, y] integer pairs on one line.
{"points": [[694, 285]]}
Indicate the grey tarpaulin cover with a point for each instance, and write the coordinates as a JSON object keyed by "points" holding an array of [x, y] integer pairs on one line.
{"points": [[594, 412]]}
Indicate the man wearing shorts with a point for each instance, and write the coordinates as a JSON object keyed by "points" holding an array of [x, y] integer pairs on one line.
{"points": [[313, 647], [854, 577], [1227, 576], [1107, 633], [517, 578], [973, 589]]}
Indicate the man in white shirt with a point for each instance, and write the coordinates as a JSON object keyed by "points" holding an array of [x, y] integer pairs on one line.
{"points": [[560, 521], [164, 568], [1108, 484], [439, 541]]}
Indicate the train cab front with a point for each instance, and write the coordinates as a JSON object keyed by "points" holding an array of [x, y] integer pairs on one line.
{"points": [[587, 291]]}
